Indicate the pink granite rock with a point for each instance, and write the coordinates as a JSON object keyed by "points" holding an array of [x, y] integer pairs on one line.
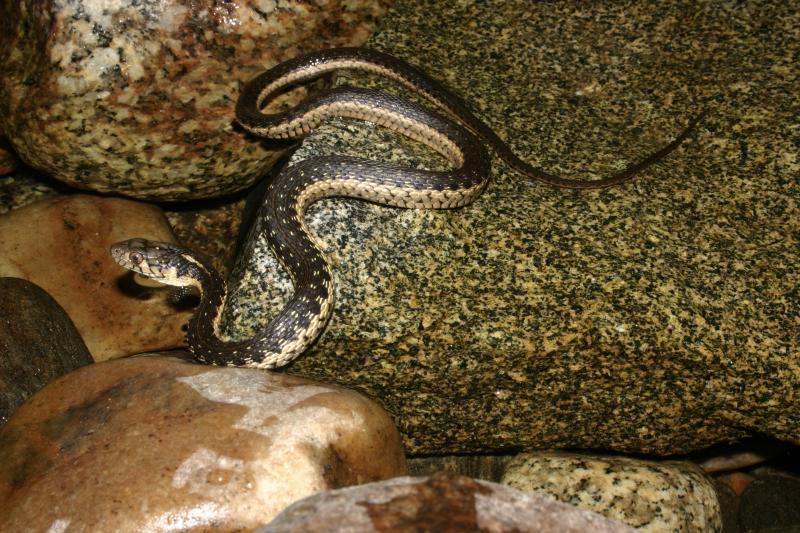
{"points": [[136, 97], [443, 503], [62, 245], [155, 444]]}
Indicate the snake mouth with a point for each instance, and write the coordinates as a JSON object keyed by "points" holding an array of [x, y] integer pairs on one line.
{"points": [[118, 254], [121, 255]]}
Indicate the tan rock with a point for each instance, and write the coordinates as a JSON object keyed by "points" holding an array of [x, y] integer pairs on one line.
{"points": [[443, 503], [154, 444], [652, 496], [62, 245]]}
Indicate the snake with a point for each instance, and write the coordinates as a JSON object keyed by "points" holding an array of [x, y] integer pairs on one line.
{"points": [[452, 130]]}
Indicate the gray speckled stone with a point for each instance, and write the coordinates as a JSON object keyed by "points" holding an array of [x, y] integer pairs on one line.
{"points": [[136, 97], [659, 316], [650, 496]]}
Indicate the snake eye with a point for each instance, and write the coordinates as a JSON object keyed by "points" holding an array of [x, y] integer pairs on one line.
{"points": [[136, 257]]}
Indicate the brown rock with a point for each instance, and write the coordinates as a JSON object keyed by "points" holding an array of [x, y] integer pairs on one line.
{"points": [[8, 160], [154, 443], [63, 244], [769, 504], [136, 97], [740, 455], [38, 343], [442, 503], [487, 467], [736, 481]]}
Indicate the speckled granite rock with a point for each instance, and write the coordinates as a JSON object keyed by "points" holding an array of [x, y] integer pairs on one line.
{"points": [[62, 245], [136, 97], [659, 316], [38, 343], [213, 230], [156, 444], [23, 187], [443, 503], [650, 496]]}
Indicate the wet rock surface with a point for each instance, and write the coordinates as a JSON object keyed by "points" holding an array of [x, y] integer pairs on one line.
{"points": [[38, 343], [443, 502], [650, 496], [62, 245], [136, 97], [154, 443]]}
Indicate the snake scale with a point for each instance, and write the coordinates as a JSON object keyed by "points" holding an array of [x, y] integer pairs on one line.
{"points": [[302, 320]]}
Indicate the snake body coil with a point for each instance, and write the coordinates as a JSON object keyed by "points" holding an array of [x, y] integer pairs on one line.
{"points": [[299, 323]]}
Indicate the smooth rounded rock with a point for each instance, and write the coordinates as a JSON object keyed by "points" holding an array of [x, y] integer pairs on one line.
{"points": [[441, 503], [63, 245], [770, 503], [136, 97], [154, 443], [38, 343], [651, 496]]}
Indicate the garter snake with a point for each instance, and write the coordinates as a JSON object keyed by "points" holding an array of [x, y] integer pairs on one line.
{"points": [[299, 323]]}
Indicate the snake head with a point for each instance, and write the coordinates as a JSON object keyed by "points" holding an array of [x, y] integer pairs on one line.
{"points": [[160, 261]]}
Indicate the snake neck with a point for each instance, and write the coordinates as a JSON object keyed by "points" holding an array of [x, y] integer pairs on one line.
{"points": [[213, 291]]}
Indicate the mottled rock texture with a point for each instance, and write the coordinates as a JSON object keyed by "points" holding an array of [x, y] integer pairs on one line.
{"points": [[63, 245], [650, 496], [155, 444], [38, 343], [442, 503], [486, 467], [25, 186], [659, 316], [8, 160], [136, 97]]}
